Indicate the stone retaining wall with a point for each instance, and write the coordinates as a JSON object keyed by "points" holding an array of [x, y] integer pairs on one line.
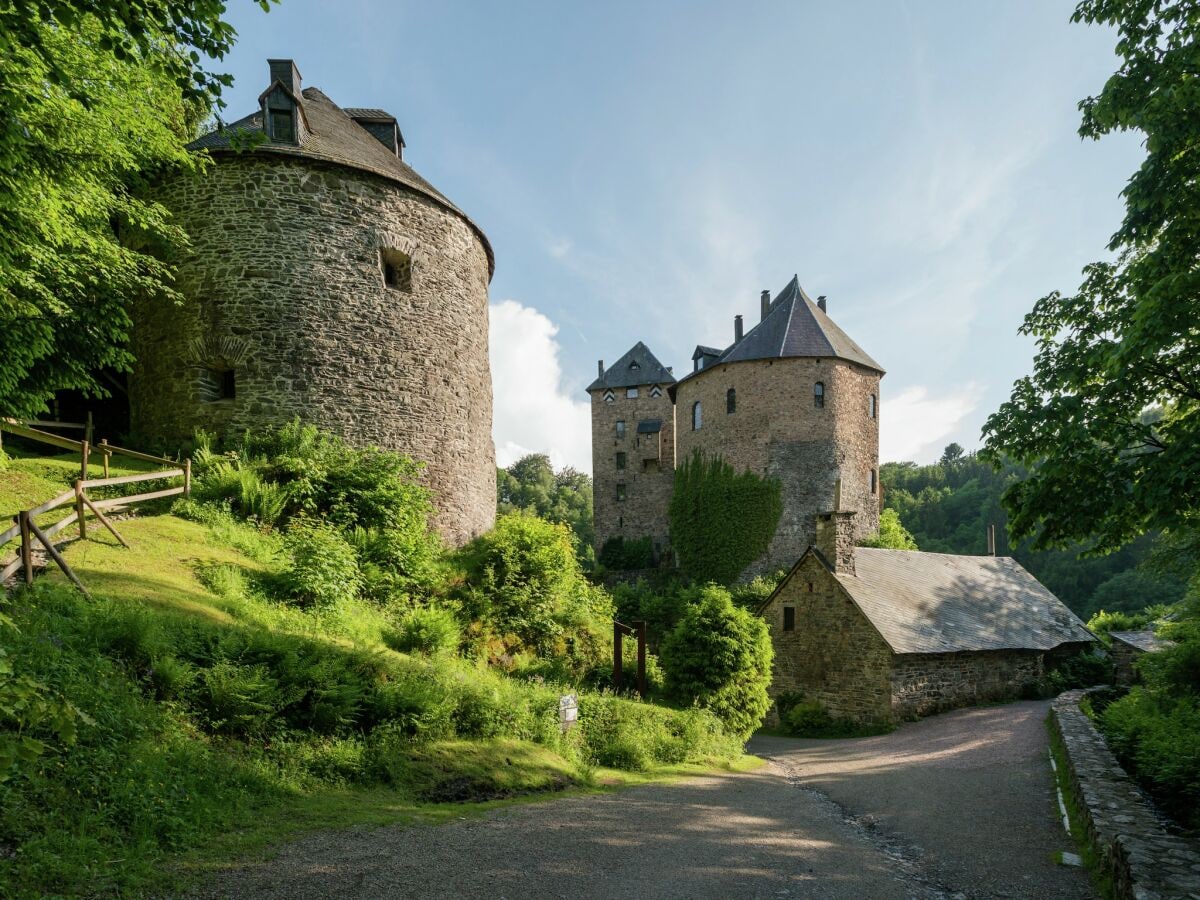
{"points": [[1144, 860]]}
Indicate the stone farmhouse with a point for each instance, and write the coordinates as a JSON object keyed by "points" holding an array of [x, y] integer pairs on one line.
{"points": [[872, 635], [327, 280], [793, 398], [879, 635]]}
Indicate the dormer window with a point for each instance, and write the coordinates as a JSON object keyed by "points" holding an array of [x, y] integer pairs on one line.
{"points": [[635, 366], [281, 125], [397, 269]]}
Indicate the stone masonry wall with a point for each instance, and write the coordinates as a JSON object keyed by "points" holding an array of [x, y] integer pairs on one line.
{"points": [[284, 285], [776, 430], [923, 684], [1144, 860], [649, 473], [834, 656]]}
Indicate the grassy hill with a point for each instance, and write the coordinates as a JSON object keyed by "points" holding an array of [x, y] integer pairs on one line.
{"points": [[194, 712]]}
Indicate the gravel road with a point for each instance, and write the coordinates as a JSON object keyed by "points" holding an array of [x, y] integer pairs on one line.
{"points": [[959, 805]]}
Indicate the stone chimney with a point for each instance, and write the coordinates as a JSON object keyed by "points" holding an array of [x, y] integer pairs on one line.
{"points": [[737, 329], [835, 540], [285, 72], [600, 367], [821, 302], [765, 301]]}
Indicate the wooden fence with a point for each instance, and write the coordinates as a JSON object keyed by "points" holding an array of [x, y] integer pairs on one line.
{"points": [[26, 526]]}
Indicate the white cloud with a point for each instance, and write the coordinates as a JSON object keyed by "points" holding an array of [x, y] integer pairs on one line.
{"points": [[914, 424], [532, 411]]}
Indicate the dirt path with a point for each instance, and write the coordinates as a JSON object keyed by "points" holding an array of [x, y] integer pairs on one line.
{"points": [[956, 806]]}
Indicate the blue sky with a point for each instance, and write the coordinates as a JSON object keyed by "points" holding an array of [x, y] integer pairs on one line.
{"points": [[644, 170]]}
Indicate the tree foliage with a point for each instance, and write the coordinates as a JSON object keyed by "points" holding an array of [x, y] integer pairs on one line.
{"points": [[1102, 469], [531, 485], [721, 521], [719, 657], [97, 99], [892, 534]]}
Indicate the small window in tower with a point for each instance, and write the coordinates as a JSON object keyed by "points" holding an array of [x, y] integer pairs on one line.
{"points": [[620, 429], [789, 618], [631, 393], [397, 269], [219, 382], [811, 587], [620, 460], [730, 402], [650, 465], [228, 384], [697, 416], [874, 482], [819, 395], [620, 521], [282, 126], [872, 407], [620, 493]]}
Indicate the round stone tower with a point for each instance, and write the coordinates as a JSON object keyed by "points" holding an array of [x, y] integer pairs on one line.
{"points": [[796, 400], [326, 281]]}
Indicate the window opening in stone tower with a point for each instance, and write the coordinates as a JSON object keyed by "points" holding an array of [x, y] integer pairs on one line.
{"points": [[620, 492], [874, 481], [620, 460], [819, 395], [218, 382], [631, 393], [697, 416], [397, 269], [730, 401], [789, 618], [620, 429], [871, 407]]}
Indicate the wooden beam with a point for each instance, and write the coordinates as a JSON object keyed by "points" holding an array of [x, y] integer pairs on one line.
{"points": [[137, 498], [130, 479], [146, 457], [104, 521], [26, 548], [55, 527], [14, 427], [60, 500], [56, 556]]}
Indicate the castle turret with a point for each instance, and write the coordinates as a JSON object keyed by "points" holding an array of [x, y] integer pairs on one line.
{"points": [[326, 281], [633, 449]]}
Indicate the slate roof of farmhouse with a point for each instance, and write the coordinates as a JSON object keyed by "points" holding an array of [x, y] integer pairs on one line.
{"points": [[333, 136], [945, 603], [1146, 641]]}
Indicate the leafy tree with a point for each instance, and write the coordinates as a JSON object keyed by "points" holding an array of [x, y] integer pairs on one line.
{"points": [[1133, 590], [719, 657], [892, 534], [721, 521], [1101, 469], [531, 485], [952, 455], [97, 99]]}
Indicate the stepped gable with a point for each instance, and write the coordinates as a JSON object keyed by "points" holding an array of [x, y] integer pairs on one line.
{"points": [[637, 366], [796, 326], [332, 135]]}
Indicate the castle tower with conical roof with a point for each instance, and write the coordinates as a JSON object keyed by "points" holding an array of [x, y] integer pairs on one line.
{"points": [[794, 399]]}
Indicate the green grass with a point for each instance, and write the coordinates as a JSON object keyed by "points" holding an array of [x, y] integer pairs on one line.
{"points": [[222, 721], [1101, 880]]}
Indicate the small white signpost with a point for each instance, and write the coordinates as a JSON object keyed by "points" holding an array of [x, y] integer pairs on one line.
{"points": [[568, 711]]}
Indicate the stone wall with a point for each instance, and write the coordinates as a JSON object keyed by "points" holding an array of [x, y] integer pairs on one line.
{"points": [[1143, 859], [649, 473], [923, 684], [1122, 656], [284, 287], [834, 656], [777, 431]]}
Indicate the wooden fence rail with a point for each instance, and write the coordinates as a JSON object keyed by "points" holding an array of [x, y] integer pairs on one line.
{"points": [[27, 529], [84, 448]]}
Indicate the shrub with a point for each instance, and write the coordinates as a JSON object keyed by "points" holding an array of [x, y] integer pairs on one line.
{"points": [[323, 569], [719, 657], [624, 554], [892, 534], [430, 630], [1079, 670], [721, 521]]}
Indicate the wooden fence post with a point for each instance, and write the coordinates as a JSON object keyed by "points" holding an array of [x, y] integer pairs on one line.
{"points": [[641, 636], [87, 429], [617, 651], [80, 510], [26, 547], [107, 454], [187, 478], [83, 460]]}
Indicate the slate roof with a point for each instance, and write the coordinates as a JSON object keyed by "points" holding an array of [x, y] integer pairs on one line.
{"points": [[1146, 641], [366, 112], [637, 366], [944, 603], [333, 136]]}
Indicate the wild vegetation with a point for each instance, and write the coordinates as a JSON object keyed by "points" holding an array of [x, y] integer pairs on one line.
{"points": [[564, 497], [293, 643]]}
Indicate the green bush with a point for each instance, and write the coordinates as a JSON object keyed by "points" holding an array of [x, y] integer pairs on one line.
{"points": [[623, 554], [721, 521], [323, 568], [428, 629], [892, 534], [719, 657], [1079, 670]]}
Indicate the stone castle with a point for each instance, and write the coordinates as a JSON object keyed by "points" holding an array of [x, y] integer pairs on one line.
{"points": [[793, 399], [328, 281]]}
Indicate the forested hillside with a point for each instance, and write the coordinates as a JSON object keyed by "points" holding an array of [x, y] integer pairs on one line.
{"points": [[948, 505]]}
